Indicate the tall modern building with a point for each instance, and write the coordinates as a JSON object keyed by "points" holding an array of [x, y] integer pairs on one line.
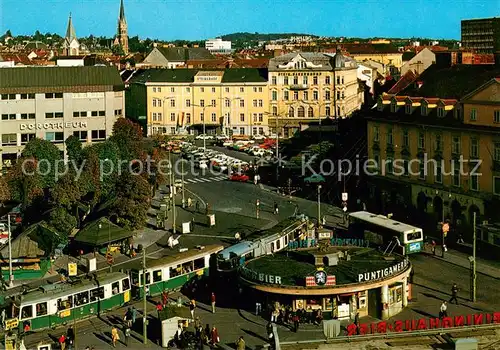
{"points": [[122, 35], [481, 35], [71, 46]]}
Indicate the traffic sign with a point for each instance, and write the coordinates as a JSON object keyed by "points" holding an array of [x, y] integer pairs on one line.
{"points": [[344, 196]]}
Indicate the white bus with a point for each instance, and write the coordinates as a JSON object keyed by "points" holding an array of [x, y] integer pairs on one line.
{"points": [[382, 230]]}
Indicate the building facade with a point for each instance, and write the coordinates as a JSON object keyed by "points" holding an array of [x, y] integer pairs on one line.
{"points": [[481, 35], [174, 57], [304, 87], [71, 46], [53, 103], [218, 46], [447, 150], [420, 62], [182, 101]]}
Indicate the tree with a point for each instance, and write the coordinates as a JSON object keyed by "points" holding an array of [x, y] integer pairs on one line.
{"points": [[25, 183], [127, 135], [4, 191], [117, 50], [74, 149], [48, 157], [66, 192], [132, 200], [62, 221]]}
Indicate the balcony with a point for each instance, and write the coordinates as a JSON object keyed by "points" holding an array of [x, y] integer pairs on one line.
{"points": [[298, 87]]}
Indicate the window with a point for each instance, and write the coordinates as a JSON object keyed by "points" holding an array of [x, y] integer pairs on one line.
{"points": [[214, 103], [49, 115], [154, 102], [301, 113], [188, 103], [226, 89], [115, 287], [274, 95], [291, 112], [261, 103], [82, 135], [202, 103], [421, 140], [25, 138], [82, 298], [213, 90], [315, 95], [327, 111], [254, 89], [98, 134], [496, 151], [406, 138], [227, 103], [474, 147], [27, 312], [456, 173], [406, 167], [96, 294], [214, 117], [41, 309], [242, 103], [172, 103], [9, 139], [376, 133], [254, 103], [315, 80], [285, 80], [343, 94], [341, 80], [408, 108], [58, 115], [473, 114], [157, 276], [154, 89], [455, 145], [172, 117], [496, 184], [27, 96], [424, 109], [338, 95], [202, 89], [261, 132], [261, 117], [153, 116], [93, 113], [474, 182], [310, 112], [438, 142], [327, 95], [117, 112], [438, 176], [54, 136], [273, 82], [376, 159], [389, 137], [172, 89], [255, 117], [295, 95], [338, 80], [304, 80], [65, 303], [202, 117], [275, 110], [242, 117], [285, 95], [254, 131], [9, 117], [160, 117], [390, 166], [306, 95], [394, 107], [295, 80], [242, 131], [32, 115], [125, 284], [440, 112], [188, 118], [421, 169], [327, 80], [188, 89], [496, 116]]}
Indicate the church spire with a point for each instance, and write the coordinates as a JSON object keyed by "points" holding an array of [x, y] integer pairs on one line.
{"points": [[70, 31], [122, 12]]}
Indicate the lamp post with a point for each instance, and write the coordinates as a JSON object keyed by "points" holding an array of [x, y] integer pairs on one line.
{"points": [[204, 117], [228, 115], [319, 205], [164, 100], [11, 274], [172, 189]]}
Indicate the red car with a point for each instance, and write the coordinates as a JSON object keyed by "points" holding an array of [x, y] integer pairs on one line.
{"points": [[240, 177]]}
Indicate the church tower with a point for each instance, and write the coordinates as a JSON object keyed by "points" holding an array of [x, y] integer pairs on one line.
{"points": [[71, 46], [122, 34]]}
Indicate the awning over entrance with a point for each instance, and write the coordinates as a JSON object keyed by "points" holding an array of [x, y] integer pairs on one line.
{"points": [[101, 232]]}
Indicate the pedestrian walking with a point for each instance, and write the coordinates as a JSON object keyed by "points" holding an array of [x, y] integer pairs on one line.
{"points": [[258, 308], [443, 310], [323, 221], [159, 309], [433, 247], [296, 322], [276, 208], [454, 292], [127, 335], [240, 344], [197, 206], [164, 298], [356, 322], [128, 317], [296, 211], [190, 202], [214, 336], [70, 337], [212, 300], [134, 314], [114, 336], [460, 239], [3, 316], [207, 209], [192, 306], [62, 342]]}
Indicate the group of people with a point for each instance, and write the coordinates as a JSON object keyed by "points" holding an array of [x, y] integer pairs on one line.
{"points": [[443, 310], [66, 341], [284, 315]]}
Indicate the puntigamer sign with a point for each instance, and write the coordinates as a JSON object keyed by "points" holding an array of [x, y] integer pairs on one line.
{"points": [[59, 125], [260, 277], [382, 273]]}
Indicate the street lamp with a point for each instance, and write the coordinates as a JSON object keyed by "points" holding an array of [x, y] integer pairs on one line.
{"points": [[319, 205], [204, 117], [164, 100], [228, 115]]}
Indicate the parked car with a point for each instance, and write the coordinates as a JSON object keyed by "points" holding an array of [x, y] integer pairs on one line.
{"points": [[204, 137], [240, 177], [259, 137], [314, 179]]}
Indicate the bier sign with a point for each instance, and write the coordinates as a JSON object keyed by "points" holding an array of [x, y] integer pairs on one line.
{"points": [[260, 277]]}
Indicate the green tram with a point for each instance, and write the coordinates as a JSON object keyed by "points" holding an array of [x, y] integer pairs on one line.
{"points": [[174, 271], [60, 304]]}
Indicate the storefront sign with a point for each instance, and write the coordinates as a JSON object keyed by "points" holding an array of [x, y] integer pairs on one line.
{"points": [[13, 323], [382, 273], [320, 279], [423, 323], [260, 277], [47, 126], [335, 242], [65, 313]]}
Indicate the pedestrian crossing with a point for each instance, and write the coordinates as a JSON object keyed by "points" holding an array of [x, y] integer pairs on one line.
{"points": [[205, 179]]}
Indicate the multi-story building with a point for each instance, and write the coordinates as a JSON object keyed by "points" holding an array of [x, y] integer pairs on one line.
{"points": [[231, 101], [418, 143], [53, 103], [306, 86], [481, 35], [218, 46]]}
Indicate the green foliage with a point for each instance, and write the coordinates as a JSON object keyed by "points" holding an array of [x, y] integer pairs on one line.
{"points": [[25, 183], [132, 200], [117, 50], [74, 149], [62, 221], [4, 190], [48, 157], [67, 192], [127, 135]]}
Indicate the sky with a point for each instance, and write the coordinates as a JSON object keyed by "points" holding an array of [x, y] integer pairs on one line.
{"points": [[203, 19]]}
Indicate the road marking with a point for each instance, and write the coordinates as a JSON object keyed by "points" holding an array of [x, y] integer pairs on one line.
{"points": [[191, 180], [205, 180]]}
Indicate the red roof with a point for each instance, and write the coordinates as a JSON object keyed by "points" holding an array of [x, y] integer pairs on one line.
{"points": [[448, 102], [431, 100], [16, 58], [408, 78]]}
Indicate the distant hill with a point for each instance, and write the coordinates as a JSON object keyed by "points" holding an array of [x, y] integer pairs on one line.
{"points": [[248, 37]]}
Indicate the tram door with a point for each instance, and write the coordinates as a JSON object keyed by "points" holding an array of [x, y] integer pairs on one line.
{"points": [[374, 307]]}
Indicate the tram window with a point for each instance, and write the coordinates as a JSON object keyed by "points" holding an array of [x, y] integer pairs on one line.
{"points": [[125, 284], [96, 294], [413, 235], [148, 277], [286, 240], [41, 309], [27, 312], [272, 247], [157, 276], [187, 267], [175, 271], [199, 263], [135, 278], [64, 304], [82, 298], [278, 244], [115, 288]]}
